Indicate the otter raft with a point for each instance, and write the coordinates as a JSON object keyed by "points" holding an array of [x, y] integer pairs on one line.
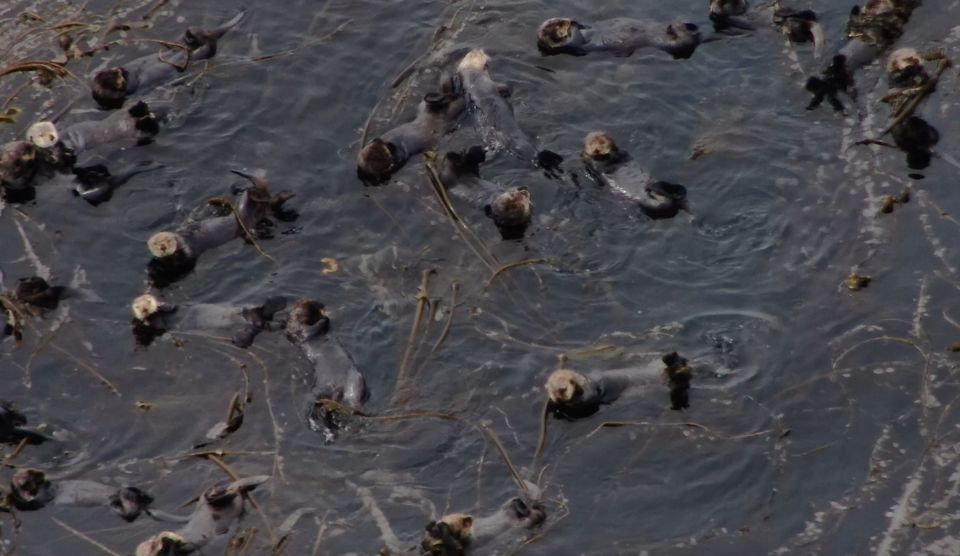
{"points": [[474, 277]]}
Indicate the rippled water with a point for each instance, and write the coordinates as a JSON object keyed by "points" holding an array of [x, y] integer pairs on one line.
{"points": [[825, 421]]}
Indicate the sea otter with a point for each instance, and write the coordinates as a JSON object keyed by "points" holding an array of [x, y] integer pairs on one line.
{"points": [[335, 374], [110, 87], [493, 116], [621, 36], [31, 490], [870, 31], [12, 427], [615, 169], [35, 291], [176, 253], [572, 395], [906, 75], [19, 164], [437, 114], [218, 509], [95, 184], [153, 318], [799, 26], [458, 534], [510, 209]]}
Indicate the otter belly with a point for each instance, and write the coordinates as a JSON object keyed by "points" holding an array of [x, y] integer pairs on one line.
{"points": [[210, 317], [494, 118], [626, 35], [85, 136], [335, 374], [630, 181]]}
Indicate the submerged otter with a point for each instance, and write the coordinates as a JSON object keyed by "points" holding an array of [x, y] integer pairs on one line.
{"points": [[574, 395], [218, 509], [799, 26], [458, 534], [510, 209], [153, 318], [493, 115], [336, 376], [110, 87], [437, 114], [870, 31], [562, 35], [176, 253], [615, 169], [31, 490]]}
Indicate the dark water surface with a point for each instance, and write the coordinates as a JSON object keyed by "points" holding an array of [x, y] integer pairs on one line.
{"points": [[827, 421]]}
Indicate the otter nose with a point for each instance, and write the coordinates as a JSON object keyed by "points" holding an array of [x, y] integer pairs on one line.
{"points": [[690, 26]]}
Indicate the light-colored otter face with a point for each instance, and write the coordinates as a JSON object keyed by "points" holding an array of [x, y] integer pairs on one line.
{"points": [[145, 306], [729, 7], [598, 145], [877, 7], [166, 543], [513, 207], [43, 134], [475, 60], [375, 160], [556, 32], [163, 244], [565, 386], [903, 58]]}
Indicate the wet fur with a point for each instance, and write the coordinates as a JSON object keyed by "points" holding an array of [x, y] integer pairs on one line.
{"points": [[621, 36]]}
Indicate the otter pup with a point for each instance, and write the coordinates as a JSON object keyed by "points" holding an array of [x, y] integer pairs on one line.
{"points": [[12, 429], [152, 318], [437, 114], [458, 534], [176, 253], [798, 25], [217, 510], [135, 126], [572, 395], [493, 115], [870, 31], [336, 376], [509, 209], [110, 87], [614, 168], [562, 35], [31, 490]]}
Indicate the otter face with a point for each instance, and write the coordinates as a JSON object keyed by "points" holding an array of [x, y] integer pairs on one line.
{"points": [[728, 7], [561, 35], [376, 162], [511, 209], [43, 134], [113, 80], [448, 536], [682, 39], [30, 489], [902, 59], [145, 306], [306, 320], [565, 386], [166, 543], [163, 244], [598, 145], [475, 60]]}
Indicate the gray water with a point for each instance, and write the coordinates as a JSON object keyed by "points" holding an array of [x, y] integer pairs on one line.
{"points": [[826, 420]]}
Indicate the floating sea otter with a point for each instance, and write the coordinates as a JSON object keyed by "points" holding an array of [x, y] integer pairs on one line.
{"points": [[621, 36], [335, 375], [458, 534], [510, 209], [870, 31], [31, 490], [176, 253], [799, 26], [615, 169], [110, 87], [437, 114], [95, 184], [153, 318], [574, 395], [493, 116], [218, 509]]}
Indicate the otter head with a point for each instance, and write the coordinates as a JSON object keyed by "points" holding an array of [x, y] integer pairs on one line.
{"points": [[376, 162], [109, 87], [682, 39], [511, 211], [801, 27], [663, 200], [167, 543], [172, 259], [905, 68], [306, 320], [476, 60], [18, 164], [165, 244], [448, 536], [727, 8], [598, 145], [145, 307], [560, 35], [571, 395], [30, 489], [128, 502], [43, 134]]}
